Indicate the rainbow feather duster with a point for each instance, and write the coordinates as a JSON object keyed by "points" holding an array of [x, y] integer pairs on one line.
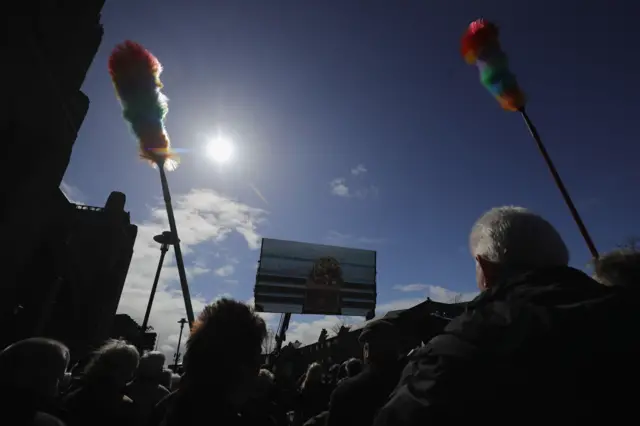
{"points": [[135, 73], [480, 45]]}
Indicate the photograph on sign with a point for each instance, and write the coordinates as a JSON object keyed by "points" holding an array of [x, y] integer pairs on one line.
{"points": [[308, 278]]}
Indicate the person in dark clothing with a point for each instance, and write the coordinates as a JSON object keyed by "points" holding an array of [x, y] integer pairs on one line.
{"points": [[314, 394], [161, 410], [101, 399], [354, 367], [319, 420], [332, 377], [31, 371], [146, 389], [542, 344], [619, 268], [262, 408], [357, 399], [221, 365]]}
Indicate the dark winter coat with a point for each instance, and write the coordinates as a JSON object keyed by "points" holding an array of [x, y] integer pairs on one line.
{"points": [[357, 399], [549, 347]]}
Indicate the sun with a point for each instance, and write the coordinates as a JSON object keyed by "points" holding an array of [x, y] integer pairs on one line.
{"points": [[220, 149]]}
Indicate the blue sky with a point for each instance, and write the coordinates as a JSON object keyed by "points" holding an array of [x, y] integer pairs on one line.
{"points": [[360, 125]]}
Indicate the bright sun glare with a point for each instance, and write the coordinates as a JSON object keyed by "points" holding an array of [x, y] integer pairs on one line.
{"points": [[220, 149]]}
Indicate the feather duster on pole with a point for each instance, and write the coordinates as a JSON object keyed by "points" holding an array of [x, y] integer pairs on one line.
{"points": [[135, 73], [480, 45]]}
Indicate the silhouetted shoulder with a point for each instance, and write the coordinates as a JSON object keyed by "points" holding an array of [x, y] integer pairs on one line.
{"points": [[44, 419]]}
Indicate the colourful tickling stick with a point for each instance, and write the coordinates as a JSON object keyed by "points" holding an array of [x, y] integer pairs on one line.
{"points": [[480, 45], [135, 73]]}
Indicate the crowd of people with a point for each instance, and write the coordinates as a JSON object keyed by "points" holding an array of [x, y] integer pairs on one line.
{"points": [[543, 343]]}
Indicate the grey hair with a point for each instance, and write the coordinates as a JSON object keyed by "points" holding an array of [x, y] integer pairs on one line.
{"points": [[618, 268], [151, 364], [516, 237], [267, 375]]}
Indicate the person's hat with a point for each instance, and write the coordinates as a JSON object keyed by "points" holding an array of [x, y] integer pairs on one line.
{"points": [[377, 330]]}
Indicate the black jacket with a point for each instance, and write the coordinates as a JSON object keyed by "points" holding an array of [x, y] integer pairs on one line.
{"points": [[550, 347], [357, 399]]}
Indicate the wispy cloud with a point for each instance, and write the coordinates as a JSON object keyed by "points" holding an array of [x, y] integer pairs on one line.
{"points": [[369, 192], [224, 271], [411, 287], [196, 270], [224, 296], [339, 187], [72, 193], [353, 188], [202, 216], [358, 170], [436, 293]]}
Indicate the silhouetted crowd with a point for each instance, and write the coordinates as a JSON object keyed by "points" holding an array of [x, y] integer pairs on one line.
{"points": [[543, 343]]}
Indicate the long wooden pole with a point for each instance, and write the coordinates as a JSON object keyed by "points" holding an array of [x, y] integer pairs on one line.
{"points": [[176, 245], [558, 181], [145, 322]]}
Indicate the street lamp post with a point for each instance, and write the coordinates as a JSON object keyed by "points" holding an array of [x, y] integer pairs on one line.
{"points": [[182, 322], [165, 240]]}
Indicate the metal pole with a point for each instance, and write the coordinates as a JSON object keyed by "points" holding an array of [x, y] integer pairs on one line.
{"points": [[174, 231], [560, 184], [284, 326], [145, 322], [182, 322]]}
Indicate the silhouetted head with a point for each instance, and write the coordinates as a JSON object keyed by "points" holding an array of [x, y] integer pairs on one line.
{"points": [[114, 364], [380, 342], [224, 349], [354, 367], [151, 365], [35, 366], [264, 384], [116, 202], [507, 241], [342, 371], [619, 268], [313, 375], [334, 372]]}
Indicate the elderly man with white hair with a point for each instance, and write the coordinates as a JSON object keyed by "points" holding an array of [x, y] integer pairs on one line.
{"points": [[543, 343]]}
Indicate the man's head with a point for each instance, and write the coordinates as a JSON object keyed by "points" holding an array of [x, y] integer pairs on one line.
{"points": [[36, 365], [151, 365], [619, 268], [354, 367], [379, 340], [114, 363], [224, 348], [511, 240]]}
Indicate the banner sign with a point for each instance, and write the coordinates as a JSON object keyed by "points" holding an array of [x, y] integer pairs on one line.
{"points": [[304, 278]]}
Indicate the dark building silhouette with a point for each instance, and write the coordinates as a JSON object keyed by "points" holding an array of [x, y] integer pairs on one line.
{"points": [[126, 328], [417, 324], [72, 287], [49, 48]]}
